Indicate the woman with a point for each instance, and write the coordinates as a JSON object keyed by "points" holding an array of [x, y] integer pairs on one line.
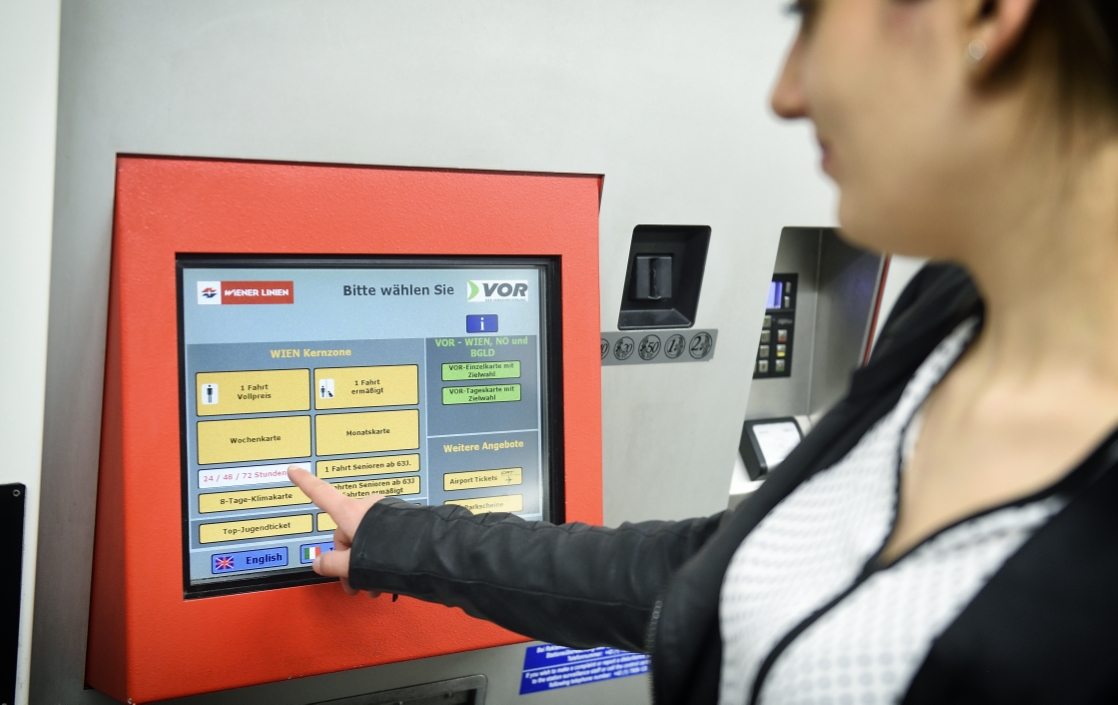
{"points": [[949, 532]]}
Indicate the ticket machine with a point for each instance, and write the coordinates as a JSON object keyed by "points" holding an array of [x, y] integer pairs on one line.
{"points": [[250, 330], [405, 230], [821, 313]]}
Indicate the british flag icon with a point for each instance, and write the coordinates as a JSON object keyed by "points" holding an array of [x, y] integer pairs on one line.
{"points": [[223, 563]]}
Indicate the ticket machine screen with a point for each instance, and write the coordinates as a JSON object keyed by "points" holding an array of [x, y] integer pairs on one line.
{"points": [[428, 380]]}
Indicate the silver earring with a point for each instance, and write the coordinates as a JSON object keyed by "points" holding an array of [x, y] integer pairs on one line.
{"points": [[976, 52]]}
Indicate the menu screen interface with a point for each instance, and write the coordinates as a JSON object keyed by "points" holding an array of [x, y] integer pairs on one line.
{"points": [[421, 380]]}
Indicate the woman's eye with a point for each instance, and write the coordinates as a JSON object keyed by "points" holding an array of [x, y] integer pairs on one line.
{"points": [[806, 10]]}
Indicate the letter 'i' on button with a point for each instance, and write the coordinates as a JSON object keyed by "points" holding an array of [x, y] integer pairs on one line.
{"points": [[485, 323]]}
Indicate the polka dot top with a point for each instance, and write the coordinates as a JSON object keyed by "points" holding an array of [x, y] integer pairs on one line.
{"points": [[809, 616]]}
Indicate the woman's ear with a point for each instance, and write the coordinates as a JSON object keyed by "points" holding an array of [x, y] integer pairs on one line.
{"points": [[992, 29]]}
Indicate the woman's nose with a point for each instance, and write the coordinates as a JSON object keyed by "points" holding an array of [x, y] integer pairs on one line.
{"points": [[788, 99]]}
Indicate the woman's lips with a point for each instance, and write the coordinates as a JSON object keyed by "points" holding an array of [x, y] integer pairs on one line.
{"points": [[827, 157]]}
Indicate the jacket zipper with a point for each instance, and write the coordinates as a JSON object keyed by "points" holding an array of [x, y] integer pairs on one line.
{"points": [[871, 568], [874, 565], [649, 642]]}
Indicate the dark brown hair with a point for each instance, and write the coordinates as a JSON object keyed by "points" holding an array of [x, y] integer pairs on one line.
{"points": [[1072, 42]]}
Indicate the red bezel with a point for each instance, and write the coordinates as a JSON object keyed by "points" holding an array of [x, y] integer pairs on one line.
{"points": [[148, 643]]}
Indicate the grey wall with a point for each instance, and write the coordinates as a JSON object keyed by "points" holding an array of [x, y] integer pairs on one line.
{"points": [[666, 98], [28, 106]]}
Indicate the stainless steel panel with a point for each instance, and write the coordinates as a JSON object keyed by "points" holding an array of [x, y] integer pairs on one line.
{"points": [[838, 293], [501, 667], [849, 279], [798, 253]]}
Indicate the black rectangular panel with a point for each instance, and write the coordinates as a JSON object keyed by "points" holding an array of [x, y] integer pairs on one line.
{"points": [[12, 499], [469, 690], [664, 276]]}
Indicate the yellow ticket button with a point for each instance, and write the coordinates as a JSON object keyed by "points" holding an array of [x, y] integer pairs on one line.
{"points": [[253, 392], [251, 499], [354, 467], [254, 439], [389, 487], [255, 528], [326, 522], [484, 505], [354, 387], [367, 432], [483, 478]]}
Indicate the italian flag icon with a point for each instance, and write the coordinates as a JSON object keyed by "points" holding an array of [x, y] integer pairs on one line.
{"points": [[311, 552]]}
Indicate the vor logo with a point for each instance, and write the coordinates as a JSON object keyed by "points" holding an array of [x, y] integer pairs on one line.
{"points": [[478, 291]]}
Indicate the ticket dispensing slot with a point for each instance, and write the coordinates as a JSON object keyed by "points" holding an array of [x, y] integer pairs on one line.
{"points": [[816, 331], [469, 690], [664, 276]]}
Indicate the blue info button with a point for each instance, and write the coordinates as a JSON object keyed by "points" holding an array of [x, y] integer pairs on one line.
{"points": [[485, 323], [237, 561]]}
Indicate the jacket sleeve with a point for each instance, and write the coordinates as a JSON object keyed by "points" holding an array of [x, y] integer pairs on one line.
{"points": [[576, 585]]}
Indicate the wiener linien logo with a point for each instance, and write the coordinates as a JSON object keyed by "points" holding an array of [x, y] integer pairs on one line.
{"points": [[211, 293]]}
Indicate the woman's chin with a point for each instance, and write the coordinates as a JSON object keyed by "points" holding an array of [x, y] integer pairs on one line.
{"points": [[856, 230], [860, 228]]}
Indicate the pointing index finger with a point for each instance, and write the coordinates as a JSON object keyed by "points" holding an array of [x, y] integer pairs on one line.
{"points": [[322, 493]]}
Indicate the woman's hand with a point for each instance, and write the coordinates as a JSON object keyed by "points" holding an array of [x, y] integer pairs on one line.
{"points": [[346, 513]]}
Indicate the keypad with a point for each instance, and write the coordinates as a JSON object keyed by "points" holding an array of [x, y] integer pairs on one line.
{"points": [[774, 348]]}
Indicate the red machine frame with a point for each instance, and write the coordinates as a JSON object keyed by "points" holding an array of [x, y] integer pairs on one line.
{"points": [[148, 643]]}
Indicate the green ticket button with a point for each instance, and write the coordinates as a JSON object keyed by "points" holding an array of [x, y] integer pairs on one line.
{"points": [[481, 395], [459, 371]]}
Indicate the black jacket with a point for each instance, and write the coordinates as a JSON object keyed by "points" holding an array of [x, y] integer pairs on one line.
{"points": [[1043, 630]]}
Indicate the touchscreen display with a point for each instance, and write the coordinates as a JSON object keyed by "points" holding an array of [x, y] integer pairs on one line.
{"points": [[425, 380]]}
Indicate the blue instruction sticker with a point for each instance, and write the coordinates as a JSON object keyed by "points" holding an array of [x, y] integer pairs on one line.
{"points": [[549, 667]]}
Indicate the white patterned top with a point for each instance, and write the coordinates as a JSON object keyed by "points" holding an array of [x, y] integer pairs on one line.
{"points": [[807, 615]]}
